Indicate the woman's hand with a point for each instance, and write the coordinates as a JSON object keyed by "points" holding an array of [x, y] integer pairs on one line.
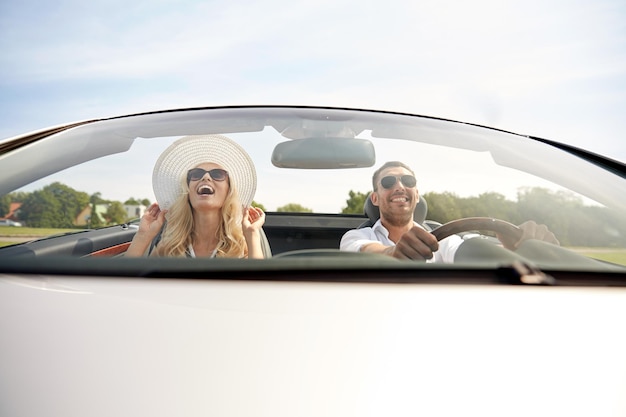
{"points": [[152, 220], [149, 226], [253, 220]]}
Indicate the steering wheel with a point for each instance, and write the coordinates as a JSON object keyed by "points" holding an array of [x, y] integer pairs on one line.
{"points": [[500, 227]]}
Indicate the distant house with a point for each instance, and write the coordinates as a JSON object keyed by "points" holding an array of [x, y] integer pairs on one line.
{"points": [[14, 212], [133, 211], [101, 211], [84, 217]]}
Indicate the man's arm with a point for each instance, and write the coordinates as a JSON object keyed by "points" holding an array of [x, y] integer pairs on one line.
{"points": [[377, 247]]}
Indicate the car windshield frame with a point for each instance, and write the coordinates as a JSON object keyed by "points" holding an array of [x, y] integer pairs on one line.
{"points": [[599, 179]]}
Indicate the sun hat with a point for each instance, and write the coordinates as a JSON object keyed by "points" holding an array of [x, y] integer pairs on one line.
{"points": [[189, 152]]}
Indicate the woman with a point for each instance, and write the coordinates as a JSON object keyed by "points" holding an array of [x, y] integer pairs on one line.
{"points": [[204, 186]]}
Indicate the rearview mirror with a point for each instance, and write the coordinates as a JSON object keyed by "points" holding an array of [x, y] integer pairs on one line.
{"points": [[324, 153]]}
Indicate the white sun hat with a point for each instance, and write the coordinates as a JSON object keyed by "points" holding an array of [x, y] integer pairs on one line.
{"points": [[188, 152]]}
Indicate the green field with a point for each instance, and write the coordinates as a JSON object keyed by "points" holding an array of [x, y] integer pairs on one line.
{"points": [[617, 256], [12, 235], [31, 231]]}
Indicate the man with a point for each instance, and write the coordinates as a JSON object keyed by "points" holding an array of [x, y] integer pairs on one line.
{"points": [[396, 234]]}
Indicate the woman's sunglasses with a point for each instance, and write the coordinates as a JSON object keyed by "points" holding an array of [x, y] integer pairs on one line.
{"points": [[408, 181], [196, 174]]}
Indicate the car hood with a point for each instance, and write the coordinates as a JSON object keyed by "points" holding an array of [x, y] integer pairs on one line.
{"points": [[140, 346]]}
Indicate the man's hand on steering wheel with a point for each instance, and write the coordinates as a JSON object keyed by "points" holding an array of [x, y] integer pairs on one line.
{"points": [[420, 244], [530, 230], [417, 243]]}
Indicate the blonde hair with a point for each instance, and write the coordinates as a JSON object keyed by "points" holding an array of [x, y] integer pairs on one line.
{"points": [[178, 232]]}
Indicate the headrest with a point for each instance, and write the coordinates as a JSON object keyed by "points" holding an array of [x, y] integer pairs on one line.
{"points": [[373, 214]]}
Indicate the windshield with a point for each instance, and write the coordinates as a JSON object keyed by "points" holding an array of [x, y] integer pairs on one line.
{"points": [[461, 170]]}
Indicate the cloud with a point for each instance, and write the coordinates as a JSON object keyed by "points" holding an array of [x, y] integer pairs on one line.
{"points": [[530, 66]]}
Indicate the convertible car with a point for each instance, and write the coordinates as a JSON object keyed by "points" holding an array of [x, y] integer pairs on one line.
{"points": [[313, 330]]}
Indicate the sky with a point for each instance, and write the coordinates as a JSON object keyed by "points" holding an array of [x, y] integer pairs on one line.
{"points": [[555, 69]]}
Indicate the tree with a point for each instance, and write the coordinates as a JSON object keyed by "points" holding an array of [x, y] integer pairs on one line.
{"points": [[355, 203], [56, 205], [94, 220], [489, 205], [443, 207], [294, 207], [96, 198], [115, 213], [72, 202], [555, 209], [40, 209], [259, 205], [137, 202], [5, 205]]}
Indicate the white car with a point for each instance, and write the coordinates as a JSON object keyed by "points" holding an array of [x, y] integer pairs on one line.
{"points": [[9, 222], [311, 330]]}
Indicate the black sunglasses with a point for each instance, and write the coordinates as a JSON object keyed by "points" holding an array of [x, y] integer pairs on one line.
{"points": [[389, 181], [196, 174]]}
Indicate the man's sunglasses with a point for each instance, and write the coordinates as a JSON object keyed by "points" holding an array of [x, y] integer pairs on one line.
{"points": [[196, 174], [389, 181]]}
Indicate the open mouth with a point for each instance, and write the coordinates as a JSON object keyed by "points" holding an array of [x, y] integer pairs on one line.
{"points": [[205, 190], [400, 199]]}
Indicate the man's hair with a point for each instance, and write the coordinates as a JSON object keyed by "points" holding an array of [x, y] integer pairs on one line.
{"points": [[385, 166]]}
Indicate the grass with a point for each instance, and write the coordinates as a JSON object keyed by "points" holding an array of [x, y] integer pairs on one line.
{"points": [[13, 235], [614, 255], [31, 231], [7, 243]]}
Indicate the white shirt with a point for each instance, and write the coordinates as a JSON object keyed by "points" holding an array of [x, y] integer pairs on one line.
{"points": [[353, 240], [192, 254]]}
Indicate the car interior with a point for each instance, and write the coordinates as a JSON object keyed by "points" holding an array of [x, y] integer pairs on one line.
{"points": [[317, 153], [285, 234]]}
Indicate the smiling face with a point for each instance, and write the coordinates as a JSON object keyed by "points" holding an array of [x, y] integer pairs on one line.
{"points": [[398, 202], [206, 193]]}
